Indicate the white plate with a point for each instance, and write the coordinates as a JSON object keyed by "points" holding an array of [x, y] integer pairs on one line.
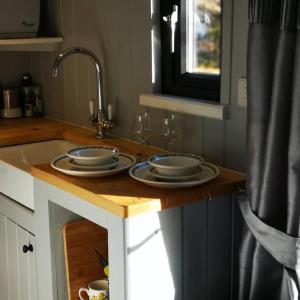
{"points": [[125, 161], [113, 162], [176, 164], [196, 172], [92, 155], [140, 172]]}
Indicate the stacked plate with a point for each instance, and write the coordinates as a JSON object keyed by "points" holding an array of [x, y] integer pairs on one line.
{"points": [[174, 171], [93, 161]]}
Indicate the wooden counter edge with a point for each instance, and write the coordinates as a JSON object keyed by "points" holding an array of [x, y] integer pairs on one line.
{"points": [[126, 211], [83, 194], [101, 201]]}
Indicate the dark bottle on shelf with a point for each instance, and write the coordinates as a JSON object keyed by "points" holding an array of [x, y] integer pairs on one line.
{"points": [[38, 106], [27, 100], [26, 79]]}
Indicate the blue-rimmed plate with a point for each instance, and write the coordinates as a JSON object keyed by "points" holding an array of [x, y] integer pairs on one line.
{"points": [[61, 163], [141, 173]]}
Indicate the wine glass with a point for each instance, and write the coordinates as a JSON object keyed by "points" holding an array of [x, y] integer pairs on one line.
{"points": [[142, 131], [169, 129]]}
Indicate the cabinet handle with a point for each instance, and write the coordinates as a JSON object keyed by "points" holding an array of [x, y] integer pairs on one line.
{"points": [[27, 248]]}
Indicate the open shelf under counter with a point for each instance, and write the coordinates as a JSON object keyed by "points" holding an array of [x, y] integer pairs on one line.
{"points": [[37, 44]]}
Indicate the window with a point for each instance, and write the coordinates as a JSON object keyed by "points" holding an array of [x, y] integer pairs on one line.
{"points": [[191, 48]]}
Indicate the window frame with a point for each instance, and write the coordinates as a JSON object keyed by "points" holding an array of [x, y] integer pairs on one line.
{"points": [[174, 82]]}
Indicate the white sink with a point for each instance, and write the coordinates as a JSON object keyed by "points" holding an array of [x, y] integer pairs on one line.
{"points": [[15, 164]]}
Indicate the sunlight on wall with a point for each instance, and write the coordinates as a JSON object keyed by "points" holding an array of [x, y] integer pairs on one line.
{"points": [[150, 275], [155, 41], [153, 57]]}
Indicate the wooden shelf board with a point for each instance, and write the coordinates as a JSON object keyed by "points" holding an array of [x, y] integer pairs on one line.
{"points": [[81, 238], [30, 44]]}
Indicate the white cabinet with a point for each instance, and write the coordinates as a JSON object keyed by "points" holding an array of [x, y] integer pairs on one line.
{"points": [[17, 261]]}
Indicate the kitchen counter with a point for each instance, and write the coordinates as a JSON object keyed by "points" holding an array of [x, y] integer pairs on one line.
{"points": [[119, 194]]}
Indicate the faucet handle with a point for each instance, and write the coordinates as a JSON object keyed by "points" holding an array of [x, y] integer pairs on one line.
{"points": [[110, 111], [92, 108], [93, 116]]}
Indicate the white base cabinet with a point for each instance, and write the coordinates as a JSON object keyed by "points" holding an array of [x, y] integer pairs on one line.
{"points": [[18, 263]]}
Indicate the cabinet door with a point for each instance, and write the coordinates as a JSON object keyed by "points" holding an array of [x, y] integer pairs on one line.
{"points": [[33, 295], [3, 260], [27, 267], [13, 260], [20, 266]]}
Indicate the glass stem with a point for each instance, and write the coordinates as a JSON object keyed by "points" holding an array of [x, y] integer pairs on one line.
{"points": [[143, 158]]}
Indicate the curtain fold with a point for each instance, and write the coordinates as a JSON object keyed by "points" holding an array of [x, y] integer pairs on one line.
{"points": [[273, 185], [284, 248], [282, 13]]}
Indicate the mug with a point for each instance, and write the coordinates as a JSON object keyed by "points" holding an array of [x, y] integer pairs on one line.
{"points": [[97, 290]]}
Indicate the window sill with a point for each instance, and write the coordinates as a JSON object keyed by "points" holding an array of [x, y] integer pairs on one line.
{"points": [[185, 106]]}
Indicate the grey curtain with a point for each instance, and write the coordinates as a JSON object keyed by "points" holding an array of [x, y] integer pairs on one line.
{"points": [[269, 256]]}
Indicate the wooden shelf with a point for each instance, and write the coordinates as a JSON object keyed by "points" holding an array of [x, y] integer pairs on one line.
{"points": [[81, 238], [39, 44]]}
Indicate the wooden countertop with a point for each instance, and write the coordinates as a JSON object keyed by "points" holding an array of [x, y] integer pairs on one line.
{"points": [[119, 194]]}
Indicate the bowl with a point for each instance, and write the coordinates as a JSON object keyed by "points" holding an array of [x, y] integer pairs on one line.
{"points": [[177, 164], [92, 155], [196, 172], [112, 163]]}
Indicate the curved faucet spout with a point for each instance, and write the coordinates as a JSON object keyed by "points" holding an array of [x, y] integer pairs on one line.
{"points": [[100, 119]]}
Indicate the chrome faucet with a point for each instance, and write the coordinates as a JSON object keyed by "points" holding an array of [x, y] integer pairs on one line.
{"points": [[98, 119]]}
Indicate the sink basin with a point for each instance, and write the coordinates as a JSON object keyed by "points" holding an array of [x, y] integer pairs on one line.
{"points": [[15, 164]]}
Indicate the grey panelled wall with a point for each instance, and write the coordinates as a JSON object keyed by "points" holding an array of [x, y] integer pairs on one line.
{"points": [[119, 33], [208, 256], [12, 65], [235, 129]]}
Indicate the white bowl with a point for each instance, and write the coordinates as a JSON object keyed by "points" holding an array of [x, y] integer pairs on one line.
{"points": [[112, 163], [196, 172], [92, 155], [177, 164]]}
